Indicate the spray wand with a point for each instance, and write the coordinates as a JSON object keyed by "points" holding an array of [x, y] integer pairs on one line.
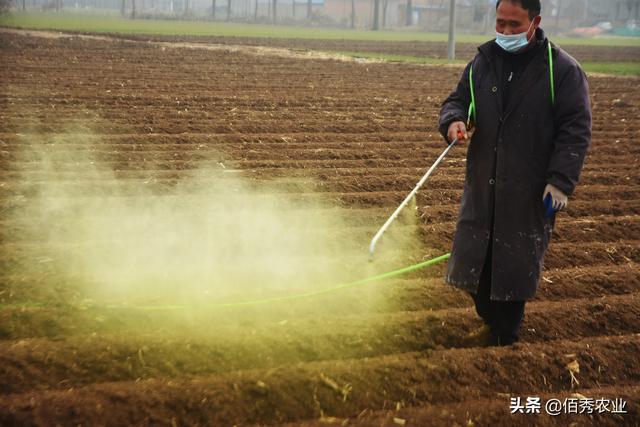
{"points": [[405, 202]]}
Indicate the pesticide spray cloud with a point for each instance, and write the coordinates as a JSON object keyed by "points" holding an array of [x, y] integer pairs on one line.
{"points": [[209, 234]]}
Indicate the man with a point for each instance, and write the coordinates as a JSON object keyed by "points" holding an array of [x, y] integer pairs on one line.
{"points": [[528, 103]]}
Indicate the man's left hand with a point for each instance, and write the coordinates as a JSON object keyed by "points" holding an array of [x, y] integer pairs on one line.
{"points": [[560, 200]]}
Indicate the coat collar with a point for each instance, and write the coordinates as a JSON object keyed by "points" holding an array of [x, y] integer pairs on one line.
{"points": [[534, 71]]}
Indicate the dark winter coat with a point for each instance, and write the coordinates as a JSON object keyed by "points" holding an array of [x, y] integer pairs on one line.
{"points": [[515, 150]]}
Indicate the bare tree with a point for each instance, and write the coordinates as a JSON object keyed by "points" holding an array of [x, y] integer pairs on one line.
{"points": [[558, 10], [123, 8], [273, 10], [385, 3], [213, 9], [228, 10], [353, 14], [408, 16], [309, 5], [133, 9], [376, 15]]}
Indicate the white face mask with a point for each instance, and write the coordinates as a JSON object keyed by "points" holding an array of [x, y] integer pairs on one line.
{"points": [[514, 42]]}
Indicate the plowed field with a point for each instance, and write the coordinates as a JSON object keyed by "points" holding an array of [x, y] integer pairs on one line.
{"points": [[464, 51], [96, 131]]}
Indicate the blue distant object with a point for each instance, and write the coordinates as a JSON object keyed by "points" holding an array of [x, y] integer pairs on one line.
{"points": [[627, 32]]}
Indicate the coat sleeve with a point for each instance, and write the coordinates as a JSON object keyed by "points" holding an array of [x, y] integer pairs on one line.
{"points": [[572, 135], [456, 106]]}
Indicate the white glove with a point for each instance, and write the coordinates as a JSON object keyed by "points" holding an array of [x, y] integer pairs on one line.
{"points": [[559, 198]]}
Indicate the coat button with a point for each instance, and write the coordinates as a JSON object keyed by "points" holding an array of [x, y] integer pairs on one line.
{"points": [[492, 181], [494, 89]]}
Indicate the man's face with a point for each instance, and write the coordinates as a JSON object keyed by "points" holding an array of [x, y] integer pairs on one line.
{"points": [[511, 19]]}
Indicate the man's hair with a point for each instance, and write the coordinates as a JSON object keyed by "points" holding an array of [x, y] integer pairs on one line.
{"points": [[531, 6]]}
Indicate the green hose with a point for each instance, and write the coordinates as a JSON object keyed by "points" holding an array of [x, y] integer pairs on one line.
{"points": [[264, 301]]}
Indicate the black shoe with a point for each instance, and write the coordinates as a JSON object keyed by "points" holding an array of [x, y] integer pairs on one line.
{"points": [[506, 340]]}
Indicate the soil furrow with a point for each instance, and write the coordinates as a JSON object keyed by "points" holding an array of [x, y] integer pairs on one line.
{"points": [[308, 390]]}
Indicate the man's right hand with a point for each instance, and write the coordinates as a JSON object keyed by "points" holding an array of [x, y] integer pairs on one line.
{"points": [[457, 130]]}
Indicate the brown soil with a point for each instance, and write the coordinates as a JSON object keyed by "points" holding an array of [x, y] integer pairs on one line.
{"points": [[355, 137]]}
